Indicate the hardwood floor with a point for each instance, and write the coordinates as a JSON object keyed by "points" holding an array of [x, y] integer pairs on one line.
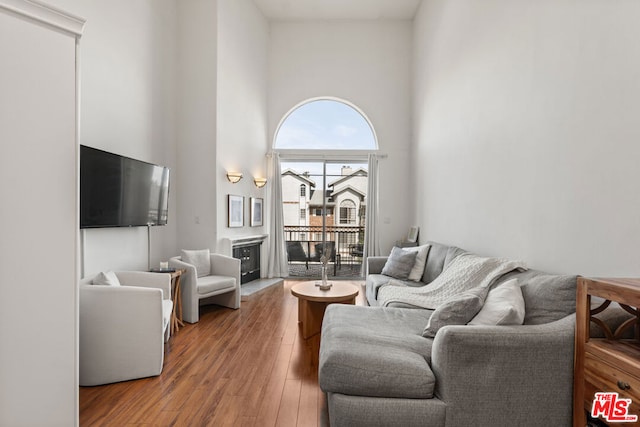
{"points": [[246, 367]]}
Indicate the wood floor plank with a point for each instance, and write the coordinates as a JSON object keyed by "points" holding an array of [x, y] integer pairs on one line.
{"points": [[162, 418], [308, 414], [246, 367], [273, 391], [323, 410], [288, 410], [245, 422]]}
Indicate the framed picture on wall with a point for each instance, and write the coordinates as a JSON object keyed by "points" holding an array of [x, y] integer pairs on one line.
{"points": [[236, 211], [256, 211], [413, 234]]}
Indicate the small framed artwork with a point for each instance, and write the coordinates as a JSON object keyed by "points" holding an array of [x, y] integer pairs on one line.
{"points": [[413, 234], [236, 211], [256, 211]]}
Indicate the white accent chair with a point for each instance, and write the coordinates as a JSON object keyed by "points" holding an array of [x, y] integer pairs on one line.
{"points": [[209, 279], [123, 327]]}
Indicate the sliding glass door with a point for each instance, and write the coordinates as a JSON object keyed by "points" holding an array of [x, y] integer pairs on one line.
{"points": [[324, 205]]}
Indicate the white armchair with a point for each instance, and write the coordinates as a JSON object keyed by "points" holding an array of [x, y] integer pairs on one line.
{"points": [[209, 279], [123, 328]]}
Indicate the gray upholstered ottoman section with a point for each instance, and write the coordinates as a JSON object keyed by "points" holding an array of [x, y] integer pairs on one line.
{"points": [[349, 411], [376, 352]]}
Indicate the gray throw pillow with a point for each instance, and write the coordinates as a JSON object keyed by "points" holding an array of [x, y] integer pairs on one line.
{"points": [[547, 297], [457, 310], [399, 264]]}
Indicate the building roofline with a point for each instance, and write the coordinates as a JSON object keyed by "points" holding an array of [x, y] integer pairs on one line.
{"points": [[358, 172], [299, 176]]}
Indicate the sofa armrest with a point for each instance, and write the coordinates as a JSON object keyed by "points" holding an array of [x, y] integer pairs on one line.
{"points": [[530, 367], [223, 265], [189, 277], [121, 333], [146, 279], [375, 264]]}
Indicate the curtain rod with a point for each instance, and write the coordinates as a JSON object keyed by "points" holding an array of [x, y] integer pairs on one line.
{"points": [[327, 156]]}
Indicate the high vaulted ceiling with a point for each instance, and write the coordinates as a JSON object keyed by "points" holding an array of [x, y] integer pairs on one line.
{"points": [[293, 10]]}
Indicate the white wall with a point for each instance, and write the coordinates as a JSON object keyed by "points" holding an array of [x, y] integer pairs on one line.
{"points": [[526, 129], [38, 223], [150, 91], [241, 109], [367, 63], [196, 114], [127, 107]]}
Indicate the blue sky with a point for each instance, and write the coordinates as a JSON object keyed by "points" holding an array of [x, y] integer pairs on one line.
{"points": [[325, 125]]}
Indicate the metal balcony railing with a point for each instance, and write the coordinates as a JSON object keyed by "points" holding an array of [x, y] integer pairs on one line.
{"points": [[305, 247]]}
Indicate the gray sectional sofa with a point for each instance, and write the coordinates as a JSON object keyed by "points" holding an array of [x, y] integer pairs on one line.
{"points": [[377, 369]]}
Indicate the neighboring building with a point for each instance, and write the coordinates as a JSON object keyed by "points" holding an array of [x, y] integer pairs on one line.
{"points": [[297, 190], [344, 201], [348, 195], [316, 213]]}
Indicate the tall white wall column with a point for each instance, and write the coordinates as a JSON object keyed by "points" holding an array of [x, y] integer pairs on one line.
{"points": [[38, 215]]}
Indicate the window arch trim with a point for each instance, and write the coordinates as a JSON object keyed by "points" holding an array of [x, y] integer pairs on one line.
{"points": [[326, 153]]}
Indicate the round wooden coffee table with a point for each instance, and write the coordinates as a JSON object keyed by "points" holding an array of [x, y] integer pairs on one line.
{"points": [[312, 302]]}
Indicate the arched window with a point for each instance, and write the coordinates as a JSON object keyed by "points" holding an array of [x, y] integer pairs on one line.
{"points": [[325, 124], [323, 145]]}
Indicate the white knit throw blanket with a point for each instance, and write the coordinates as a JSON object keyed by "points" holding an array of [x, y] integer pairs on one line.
{"points": [[465, 271]]}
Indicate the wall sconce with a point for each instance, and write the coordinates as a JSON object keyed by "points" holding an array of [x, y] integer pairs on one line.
{"points": [[260, 182], [234, 177]]}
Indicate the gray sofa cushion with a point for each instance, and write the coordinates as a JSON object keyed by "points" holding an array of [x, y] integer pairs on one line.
{"points": [[439, 257], [547, 297], [452, 252], [374, 281], [435, 261], [372, 351]]}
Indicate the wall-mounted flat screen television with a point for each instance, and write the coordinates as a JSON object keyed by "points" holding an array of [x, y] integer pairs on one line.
{"points": [[117, 191]]}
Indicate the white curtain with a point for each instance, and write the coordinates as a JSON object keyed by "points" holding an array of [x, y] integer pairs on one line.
{"points": [[277, 260], [371, 236]]}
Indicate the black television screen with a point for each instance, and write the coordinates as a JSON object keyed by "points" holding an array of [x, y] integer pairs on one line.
{"points": [[117, 191]]}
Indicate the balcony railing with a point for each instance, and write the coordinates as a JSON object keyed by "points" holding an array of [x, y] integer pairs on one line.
{"points": [[344, 247]]}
